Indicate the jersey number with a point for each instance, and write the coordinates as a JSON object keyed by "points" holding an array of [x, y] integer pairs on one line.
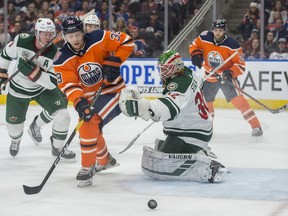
{"points": [[115, 35], [202, 107]]}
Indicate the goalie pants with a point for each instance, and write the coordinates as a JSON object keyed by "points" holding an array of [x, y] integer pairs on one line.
{"points": [[93, 146]]}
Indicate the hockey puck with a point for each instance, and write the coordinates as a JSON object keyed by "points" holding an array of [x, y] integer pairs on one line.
{"points": [[152, 204]]}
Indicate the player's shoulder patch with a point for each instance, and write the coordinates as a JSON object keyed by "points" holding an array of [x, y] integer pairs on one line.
{"points": [[172, 86], [24, 35]]}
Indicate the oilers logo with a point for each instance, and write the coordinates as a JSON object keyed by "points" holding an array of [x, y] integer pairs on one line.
{"points": [[214, 59], [90, 73]]}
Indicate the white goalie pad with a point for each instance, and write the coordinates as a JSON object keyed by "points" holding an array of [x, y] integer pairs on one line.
{"points": [[181, 167]]}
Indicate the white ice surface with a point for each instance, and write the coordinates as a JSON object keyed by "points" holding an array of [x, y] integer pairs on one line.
{"points": [[256, 186]]}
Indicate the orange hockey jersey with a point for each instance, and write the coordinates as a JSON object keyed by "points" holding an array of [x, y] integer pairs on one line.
{"points": [[214, 54], [80, 73]]}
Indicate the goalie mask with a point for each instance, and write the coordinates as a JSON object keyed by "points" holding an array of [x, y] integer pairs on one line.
{"points": [[169, 64], [44, 25]]}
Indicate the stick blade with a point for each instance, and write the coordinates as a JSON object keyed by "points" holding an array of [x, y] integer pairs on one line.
{"points": [[31, 190]]}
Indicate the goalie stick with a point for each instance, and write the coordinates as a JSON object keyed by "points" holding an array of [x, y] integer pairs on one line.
{"points": [[136, 137], [36, 189], [210, 74]]}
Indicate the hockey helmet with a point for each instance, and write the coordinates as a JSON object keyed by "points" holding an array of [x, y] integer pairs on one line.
{"points": [[169, 63], [71, 24], [44, 25], [219, 23], [92, 19]]}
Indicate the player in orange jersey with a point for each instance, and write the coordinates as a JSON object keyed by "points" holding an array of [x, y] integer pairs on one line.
{"points": [[81, 65], [213, 47]]}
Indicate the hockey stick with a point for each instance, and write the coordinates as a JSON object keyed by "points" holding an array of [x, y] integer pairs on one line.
{"points": [[136, 137], [273, 111], [36, 189], [38, 53]]}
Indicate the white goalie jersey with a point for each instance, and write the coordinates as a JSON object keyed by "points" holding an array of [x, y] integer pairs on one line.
{"points": [[183, 110]]}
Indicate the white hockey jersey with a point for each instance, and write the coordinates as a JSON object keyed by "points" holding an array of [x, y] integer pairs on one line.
{"points": [[183, 110], [24, 46]]}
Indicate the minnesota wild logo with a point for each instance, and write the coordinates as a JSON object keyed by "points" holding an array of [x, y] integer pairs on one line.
{"points": [[172, 86], [12, 118]]}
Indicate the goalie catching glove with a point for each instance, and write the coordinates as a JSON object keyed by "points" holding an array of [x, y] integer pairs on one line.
{"points": [[132, 104], [111, 68], [29, 69]]}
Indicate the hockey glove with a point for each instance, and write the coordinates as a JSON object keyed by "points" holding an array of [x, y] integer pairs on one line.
{"points": [[227, 75], [83, 108], [111, 68], [29, 69], [197, 58], [135, 108], [3, 76]]}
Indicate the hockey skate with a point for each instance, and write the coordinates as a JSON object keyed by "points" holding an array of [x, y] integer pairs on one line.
{"points": [[111, 163], [257, 131], [218, 171], [14, 147], [34, 132], [85, 176], [67, 156]]}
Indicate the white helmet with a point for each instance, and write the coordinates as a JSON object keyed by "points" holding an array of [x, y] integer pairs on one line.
{"points": [[45, 25], [92, 19]]}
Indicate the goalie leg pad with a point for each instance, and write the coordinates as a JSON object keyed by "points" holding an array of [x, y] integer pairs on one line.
{"points": [[168, 166]]}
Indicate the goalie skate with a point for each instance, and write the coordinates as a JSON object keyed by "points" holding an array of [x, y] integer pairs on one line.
{"points": [[35, 132], [218, 171], [85, 176], [111, 163]]}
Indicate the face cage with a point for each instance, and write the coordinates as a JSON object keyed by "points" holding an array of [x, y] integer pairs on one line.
{"points": [[166, 71]]}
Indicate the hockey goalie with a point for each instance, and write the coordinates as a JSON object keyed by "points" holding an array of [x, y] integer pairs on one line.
{"points": [[184, 154]]}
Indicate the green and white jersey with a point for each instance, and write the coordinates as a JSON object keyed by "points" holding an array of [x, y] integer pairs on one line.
{"points": [[183, 110], [24, 46]]}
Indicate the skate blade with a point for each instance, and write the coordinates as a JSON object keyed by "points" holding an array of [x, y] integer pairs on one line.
{"points": [[99, 169], [85, 183], [64, 160], [31, 136]]}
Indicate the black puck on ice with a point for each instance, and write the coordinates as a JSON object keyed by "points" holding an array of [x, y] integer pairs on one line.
{"points": [[152, 204]]}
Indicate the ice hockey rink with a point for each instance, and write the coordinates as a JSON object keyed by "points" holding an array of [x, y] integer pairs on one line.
{"points": [[256, 186]]}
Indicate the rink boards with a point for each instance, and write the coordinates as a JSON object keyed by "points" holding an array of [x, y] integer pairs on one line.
{"points": [[266, 81]]}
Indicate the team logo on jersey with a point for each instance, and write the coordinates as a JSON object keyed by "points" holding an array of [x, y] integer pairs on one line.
{"points": [[172, 86], [12, 118], [24, 35], [25, 54], [214, 59], [90, 73]]}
